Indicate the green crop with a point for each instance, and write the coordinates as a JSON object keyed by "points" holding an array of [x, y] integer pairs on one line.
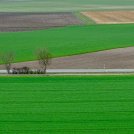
{"points": [[67, 41], [73, 104]]}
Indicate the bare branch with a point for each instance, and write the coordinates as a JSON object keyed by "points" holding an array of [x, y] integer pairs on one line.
{"points": [[44, 58], [7, 59]]}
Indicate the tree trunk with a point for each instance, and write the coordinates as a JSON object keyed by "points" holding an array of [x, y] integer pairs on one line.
{"points": [[45, 69], [8, 69]]}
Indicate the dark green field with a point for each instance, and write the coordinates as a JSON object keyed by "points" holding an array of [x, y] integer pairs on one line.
{"points": [[67, 105]]}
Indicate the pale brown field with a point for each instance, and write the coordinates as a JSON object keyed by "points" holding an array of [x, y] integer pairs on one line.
{"points": [[111, 17]]}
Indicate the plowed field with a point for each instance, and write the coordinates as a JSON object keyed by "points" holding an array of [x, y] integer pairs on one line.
{"points": [[34, 21]]}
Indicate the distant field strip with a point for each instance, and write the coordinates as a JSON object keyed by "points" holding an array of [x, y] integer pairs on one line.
{"points": [[10, 22], [82, 105], [63, 5], [67, 41], [111, 17]]}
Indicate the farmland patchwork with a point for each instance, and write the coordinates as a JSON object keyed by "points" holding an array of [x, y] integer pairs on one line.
{"points": [[67, 41]]}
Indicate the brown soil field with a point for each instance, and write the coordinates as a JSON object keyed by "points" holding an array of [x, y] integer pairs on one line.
{"points": [[111, 17], [34, 21], [121, 58]]}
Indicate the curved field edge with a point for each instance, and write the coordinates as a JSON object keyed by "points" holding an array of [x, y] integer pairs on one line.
{"points": [[68, 40]]}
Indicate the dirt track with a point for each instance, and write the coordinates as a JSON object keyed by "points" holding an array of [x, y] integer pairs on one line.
{"points": [[34, 21], [122, 58], [111, 17]]}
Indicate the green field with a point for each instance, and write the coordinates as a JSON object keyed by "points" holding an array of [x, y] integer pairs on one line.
{"points": [[67, 105], [63, 5], [68, 40]]}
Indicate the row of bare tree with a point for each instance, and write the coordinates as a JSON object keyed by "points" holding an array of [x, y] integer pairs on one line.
{"points": [[43, 57]]}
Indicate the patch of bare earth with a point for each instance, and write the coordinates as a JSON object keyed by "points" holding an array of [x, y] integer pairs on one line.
{"points": [[122, 58], [111, 17], [35, 21]]}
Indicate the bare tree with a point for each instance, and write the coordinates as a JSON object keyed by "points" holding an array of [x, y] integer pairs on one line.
{"points": [[44, 58], [7, 59]]}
